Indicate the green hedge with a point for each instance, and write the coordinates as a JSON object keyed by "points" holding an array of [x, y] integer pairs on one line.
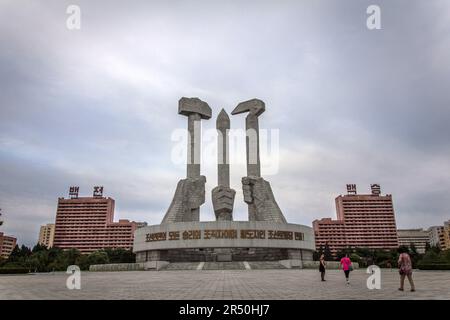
{"points": [[433, 266], [13, 270]]}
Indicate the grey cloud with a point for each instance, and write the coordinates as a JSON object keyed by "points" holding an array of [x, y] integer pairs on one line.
{"points": [[98, 105]]}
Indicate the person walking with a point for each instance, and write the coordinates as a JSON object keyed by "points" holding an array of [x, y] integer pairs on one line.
{"points": [[346, 265], [405, 270], [322, 265]]}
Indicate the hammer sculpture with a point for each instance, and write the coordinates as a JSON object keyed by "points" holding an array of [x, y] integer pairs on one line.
{"points": [[190, 192], [257, 192]]}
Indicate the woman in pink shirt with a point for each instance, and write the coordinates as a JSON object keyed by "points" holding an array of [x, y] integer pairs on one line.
{"points": [[346, 265], [405, 269]]}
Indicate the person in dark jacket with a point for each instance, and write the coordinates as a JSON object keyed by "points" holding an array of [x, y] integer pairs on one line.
{"points": [[322, 265]]}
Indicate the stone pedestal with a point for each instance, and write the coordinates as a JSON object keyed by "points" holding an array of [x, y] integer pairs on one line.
{"points": [[223, 255], [155, 265], [224, 241]]}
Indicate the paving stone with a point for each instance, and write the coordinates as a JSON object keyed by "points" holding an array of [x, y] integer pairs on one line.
{"points": [[223, 284]]}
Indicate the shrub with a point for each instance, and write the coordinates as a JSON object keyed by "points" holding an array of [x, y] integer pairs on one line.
{"points": [[98, 257], [13, 270], [433, 266], [355, 258]]}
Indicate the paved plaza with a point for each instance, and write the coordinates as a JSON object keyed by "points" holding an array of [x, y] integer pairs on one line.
{"points": [[222, 284]]}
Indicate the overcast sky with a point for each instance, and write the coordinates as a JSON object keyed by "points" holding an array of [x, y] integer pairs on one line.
{"points": [[98, 106]]}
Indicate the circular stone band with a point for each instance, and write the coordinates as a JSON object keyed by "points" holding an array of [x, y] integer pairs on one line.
{"points": [[224, 234]]}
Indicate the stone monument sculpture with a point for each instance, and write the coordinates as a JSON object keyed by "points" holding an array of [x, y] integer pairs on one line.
{"points": [[190, 192], [257, 191], [223, 195], [182, 237]]}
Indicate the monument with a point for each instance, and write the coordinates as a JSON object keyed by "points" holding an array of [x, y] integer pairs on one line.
{"points": [[182, 237]]}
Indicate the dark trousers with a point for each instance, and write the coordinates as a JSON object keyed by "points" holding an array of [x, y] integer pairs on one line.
{"points": [[347, 272], [322, 275]]}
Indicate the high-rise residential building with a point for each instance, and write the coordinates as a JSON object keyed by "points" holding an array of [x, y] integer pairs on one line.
{"points": [[141, 224], [436, 235], [86, 223], [446, 232], [7, 244], [47, 235], [363, 221], [418, 237]]}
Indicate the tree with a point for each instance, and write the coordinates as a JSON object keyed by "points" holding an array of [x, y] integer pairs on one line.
{"points": [[98, 257], [446, 255], [38, 262], [363, 252], [127, 256], [355, 258], [413, 253], [53, 253], [56, 260], [82, 262], [342, 253], [71, 255], [120, 255], [15, 255], [39, 247], [382, 257], [412, 248], [42, 259], [436, 249], [318, 254], [430, 257], [394, 254], [403, 249], [427, 247], [26, 252], [61, 259], [327, 253], [393, 257]]}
